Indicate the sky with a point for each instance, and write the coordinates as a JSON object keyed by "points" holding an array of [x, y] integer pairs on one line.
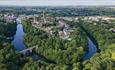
{"points": [[56, 2]]}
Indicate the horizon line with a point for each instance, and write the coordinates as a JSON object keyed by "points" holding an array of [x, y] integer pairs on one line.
{"points": [[56, 5]]}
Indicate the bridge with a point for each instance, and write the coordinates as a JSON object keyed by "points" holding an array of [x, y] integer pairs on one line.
{"points": [[28, 49]]}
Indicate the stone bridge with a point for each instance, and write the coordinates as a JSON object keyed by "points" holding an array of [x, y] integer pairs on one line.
{"points": [[28, 49]]}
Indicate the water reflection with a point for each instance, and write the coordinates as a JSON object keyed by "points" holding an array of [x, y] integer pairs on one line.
{"points": [[18, 38], [19, 44], [91, 49]]}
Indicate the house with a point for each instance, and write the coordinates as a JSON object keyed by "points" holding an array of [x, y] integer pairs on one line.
{"points": [[42, 20], [112, 29], [65, 34]]}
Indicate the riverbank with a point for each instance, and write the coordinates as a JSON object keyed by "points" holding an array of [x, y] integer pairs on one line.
{"points": [[88, 55], [90, 36]]}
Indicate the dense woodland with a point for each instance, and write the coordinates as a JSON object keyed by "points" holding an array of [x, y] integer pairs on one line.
{"points": [[8, 56], [10, 59], [106, 42], [55, 53], [61, 52]]}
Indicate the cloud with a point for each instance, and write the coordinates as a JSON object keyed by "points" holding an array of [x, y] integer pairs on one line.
{"points": [[56, 2]]}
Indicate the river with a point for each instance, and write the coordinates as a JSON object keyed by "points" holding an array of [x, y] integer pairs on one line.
{"points": [[19, 38], [91, 49], [19, 44]]}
